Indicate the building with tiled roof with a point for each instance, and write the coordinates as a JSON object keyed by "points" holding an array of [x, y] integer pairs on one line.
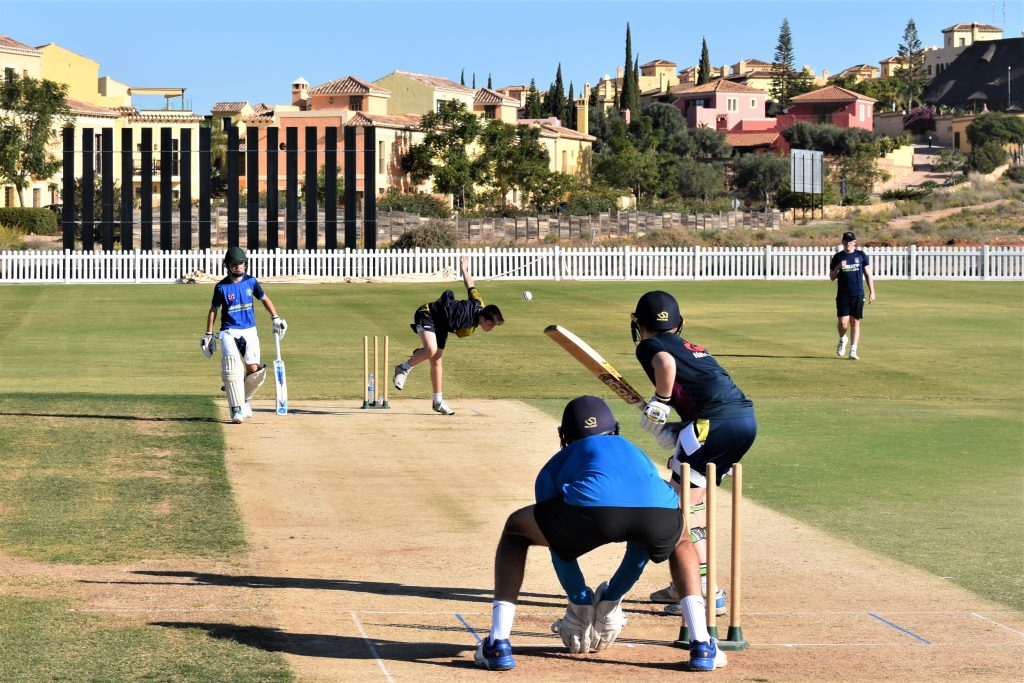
{"points": [[745, 142], [566, 147], [228, 107], [24, 59], [724, 105], [349, 94], [491, 104], [831, 104], [956, 39], [861, 72], [413, 93]]}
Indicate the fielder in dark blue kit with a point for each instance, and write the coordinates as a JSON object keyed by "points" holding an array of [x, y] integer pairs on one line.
{"points": [[598, 489], [717, 420], [234, 297], [850, 268]]}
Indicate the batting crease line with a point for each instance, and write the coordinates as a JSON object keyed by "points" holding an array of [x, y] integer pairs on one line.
{"points": [[899, 628], [1011, 630], [373, 650], [468, 627]]}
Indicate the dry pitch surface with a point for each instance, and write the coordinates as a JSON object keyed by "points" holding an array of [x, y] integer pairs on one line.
{"points": [[372, 537]]}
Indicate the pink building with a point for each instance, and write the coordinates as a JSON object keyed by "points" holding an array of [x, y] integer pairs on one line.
{"points": [[831, 104], [725, 106]]}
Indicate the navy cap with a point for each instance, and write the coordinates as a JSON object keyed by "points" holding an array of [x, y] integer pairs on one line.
{"points": [[586, 416], [658, 311], [849, 237]]}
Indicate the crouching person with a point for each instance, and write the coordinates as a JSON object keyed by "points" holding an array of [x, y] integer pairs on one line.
{"points": [[598, 489]]}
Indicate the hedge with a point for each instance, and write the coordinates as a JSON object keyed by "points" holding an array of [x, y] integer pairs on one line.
{"points": [[38, 221]]}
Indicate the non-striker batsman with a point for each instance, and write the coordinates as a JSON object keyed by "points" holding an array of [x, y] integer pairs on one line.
{"points": [[234, 297]]}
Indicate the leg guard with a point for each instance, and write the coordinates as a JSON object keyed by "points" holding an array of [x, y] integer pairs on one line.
{"points": [[233, 374], [254, 381]]}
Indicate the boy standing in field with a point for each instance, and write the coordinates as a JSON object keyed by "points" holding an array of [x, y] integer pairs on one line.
{"points": [[240, 344], [849, 268], [433, 321], [717, 424], [598, 489]]}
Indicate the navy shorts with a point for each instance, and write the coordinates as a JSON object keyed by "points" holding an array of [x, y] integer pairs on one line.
{"points": [[852, 306], [721, 441], [423, 319], [574, 530]]}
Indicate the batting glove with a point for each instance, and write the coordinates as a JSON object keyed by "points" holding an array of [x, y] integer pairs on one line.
{"points": [[668, 437], [576, 628], [280, 326], [208, 343], [608, 620], [655, 415]]}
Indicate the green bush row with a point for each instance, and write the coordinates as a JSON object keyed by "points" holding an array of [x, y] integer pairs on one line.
{"points": [[38, 221]]}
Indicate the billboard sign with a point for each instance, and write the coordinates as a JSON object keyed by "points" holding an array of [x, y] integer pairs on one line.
{"points": [[806, 170]]}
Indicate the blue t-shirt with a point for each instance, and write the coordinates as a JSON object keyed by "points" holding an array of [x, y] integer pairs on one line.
{"points": [[236, 302], [851, 277], [702, 388], [606, 471]]}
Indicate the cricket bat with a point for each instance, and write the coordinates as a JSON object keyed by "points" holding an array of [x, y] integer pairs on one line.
{"points": [[598, 366], [280, 381]]}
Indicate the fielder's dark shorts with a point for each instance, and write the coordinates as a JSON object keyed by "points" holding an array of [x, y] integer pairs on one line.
{"points": [[852, 306], [573, 530], [721, 441], [423, 319]]}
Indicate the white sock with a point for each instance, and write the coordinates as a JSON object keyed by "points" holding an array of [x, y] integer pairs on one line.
{"points": [[437, 398], [502, 614], [853, 349], [696, 621], [843, 339]]}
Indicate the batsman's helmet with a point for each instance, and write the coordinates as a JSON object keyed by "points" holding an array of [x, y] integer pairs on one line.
{"points": [[657, 311], [586, 416], [233, 256]]}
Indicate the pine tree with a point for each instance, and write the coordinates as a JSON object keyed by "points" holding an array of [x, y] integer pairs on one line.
{"points": [[627, 73], [704, 70], [910, 73], [783, 73], [533, 105]]}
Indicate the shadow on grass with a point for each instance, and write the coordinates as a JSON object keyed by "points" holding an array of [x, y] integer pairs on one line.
{"points": [[485, 595], [135, 418], [780, 357]]}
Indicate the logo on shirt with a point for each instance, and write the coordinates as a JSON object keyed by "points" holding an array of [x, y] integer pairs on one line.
{"points": [[249, 292], [231, 297], [590, 423], [698, 351]]}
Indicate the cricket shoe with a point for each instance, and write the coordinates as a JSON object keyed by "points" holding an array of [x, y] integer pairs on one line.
{"points": [[400, 376], [496, 656], [247, 410], [841, 347], [668, 595], [706, 656], [442, 407], [675, 610], [853, 355], [237, 416]]}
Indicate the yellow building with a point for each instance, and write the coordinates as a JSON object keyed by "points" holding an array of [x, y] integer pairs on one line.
{"points": [[491, 104], [413, 93], [23, 59]]}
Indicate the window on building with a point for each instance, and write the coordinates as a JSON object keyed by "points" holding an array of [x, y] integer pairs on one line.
{"points": [[565, 161], [929, 69], [355, 102], [437, 105], [9, 195], [732, 104], [176, 159], [753, 103], [380, 156], [37, 197], [490, 111], [861, 111], [963, 42]]}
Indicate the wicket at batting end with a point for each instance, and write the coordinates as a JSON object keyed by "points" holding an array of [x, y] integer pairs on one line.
{"points": [[372, 396], [734, 639]]}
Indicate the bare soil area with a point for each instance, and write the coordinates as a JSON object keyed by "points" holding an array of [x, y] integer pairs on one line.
{"points": [[372, 535]]}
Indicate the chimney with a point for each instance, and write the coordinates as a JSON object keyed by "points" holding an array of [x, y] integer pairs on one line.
{"points": [[582, 117], [625, 116], [300, 93], [618, 73]]}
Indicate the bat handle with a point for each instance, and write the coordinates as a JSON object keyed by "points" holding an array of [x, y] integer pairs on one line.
{"points": [[277, 343]]}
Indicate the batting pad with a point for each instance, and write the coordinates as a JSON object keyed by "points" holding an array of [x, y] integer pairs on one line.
{"points": [[233, 372], [254, 381]]}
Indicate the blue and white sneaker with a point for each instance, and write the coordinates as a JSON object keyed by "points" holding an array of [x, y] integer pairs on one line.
{"points": [[706, 656], [237, 416], [496, 656]]}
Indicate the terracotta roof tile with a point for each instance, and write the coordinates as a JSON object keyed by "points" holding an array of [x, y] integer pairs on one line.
{"points": [[435, 81], [402, 122], [349, 85], [88, 109], [551, 128], [720, 85], [262, 108], [756, 138], [12, 44], [658, 62], [229, 106], [967, 26], [485, 96], [832, 93]]}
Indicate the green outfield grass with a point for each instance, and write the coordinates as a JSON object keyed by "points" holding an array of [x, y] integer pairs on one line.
{"points": [[916, 452]]}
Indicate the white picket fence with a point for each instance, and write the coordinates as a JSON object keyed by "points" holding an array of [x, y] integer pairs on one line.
{"points": [[545, 263]]}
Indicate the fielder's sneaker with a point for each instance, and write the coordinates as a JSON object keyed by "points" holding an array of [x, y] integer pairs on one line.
{"points": [[841, 347], [667, 595], [236, 416], [706, 656], [496, 656], [675, 610], [247, 410], [442, 407], [853, 355], [400, 376]]}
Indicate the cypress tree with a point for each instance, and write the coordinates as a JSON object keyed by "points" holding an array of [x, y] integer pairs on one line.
{"points": [[570, 109], [622, 101], [558, 96], [704, 70], [489, 86], [462, 77]]}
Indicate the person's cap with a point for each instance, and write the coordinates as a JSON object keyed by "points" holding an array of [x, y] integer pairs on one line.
{"points": [[586, 416], [235, 255], [658, 311], [849, 237]]}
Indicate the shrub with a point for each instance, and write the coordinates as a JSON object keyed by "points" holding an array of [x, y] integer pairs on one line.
{"points": [[420, 204], [11, 239], [429, 235], [905, 193], [988, 157], [592, 200], [38, 221], [1015, 174]]}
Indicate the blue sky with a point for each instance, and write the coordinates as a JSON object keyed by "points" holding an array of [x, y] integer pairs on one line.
{"points": [[252, 50]]}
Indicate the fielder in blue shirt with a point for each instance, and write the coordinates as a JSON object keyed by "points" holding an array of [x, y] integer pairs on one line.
{"points": [[850, 268], [598, 489]]}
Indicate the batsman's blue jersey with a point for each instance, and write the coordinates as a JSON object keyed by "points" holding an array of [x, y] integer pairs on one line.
{"points": [[606, 471], [236, 302]]}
